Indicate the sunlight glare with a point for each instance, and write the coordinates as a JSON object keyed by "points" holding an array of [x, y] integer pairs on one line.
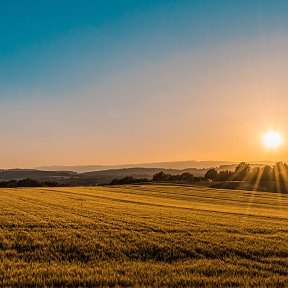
{"points": [[272, 139]]}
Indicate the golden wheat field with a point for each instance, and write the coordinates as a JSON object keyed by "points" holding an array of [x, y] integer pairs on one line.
{"points": [[143, 235]]}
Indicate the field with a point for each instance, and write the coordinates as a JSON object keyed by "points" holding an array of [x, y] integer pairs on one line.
{"points": [[146, 235]]}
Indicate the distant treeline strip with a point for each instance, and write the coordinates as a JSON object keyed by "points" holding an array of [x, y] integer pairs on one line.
{"points": [[27, 183], [244, 177], [267, 178], [243, 172]]}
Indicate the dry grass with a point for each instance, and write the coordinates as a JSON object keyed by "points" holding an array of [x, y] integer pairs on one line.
{"points": [[149, 235]]}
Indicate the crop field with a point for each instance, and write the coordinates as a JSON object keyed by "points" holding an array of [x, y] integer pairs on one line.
{"points": [[143, 235]]}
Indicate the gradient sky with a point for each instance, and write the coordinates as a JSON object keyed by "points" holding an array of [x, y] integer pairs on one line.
{"points": [[112, 82]]}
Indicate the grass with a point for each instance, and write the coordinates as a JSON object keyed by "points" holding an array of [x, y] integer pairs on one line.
{"points": [[146, 235]]}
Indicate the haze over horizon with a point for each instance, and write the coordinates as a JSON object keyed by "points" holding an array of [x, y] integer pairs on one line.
{"points": [[92, 82]]}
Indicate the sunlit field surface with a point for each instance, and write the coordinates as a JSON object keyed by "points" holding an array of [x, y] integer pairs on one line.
{"points": [[152, 235]]}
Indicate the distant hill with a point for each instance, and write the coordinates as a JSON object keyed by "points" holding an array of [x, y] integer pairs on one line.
{"points": [[18, 174], [139, 171], [165, 165], [106, 176], [90, 178]]}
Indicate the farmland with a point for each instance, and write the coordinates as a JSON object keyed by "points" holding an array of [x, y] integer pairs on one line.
{"points": [[143, 235]]}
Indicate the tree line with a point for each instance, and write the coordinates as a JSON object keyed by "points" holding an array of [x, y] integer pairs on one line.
{"points": [[211, 174], [269, 177], [27, 183], [265, 177], [244, 172]]}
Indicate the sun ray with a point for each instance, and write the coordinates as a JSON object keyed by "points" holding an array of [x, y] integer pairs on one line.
{"points": [[258, 179]]}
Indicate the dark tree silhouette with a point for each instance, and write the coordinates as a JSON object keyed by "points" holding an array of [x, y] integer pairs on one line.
{"points": [[267, 173], [242, 171], [211, 174], [281, 172], [184, 177], [187, 177], [254, 174], [224, 175]]}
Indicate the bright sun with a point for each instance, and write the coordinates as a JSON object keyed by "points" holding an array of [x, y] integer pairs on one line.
{"points": [[272, 139]]}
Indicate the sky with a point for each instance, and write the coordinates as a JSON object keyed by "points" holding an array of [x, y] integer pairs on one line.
{"points": [[115, 82]]}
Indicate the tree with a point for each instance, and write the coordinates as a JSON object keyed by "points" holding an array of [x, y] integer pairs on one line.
{"points": [[267, 173], [187, 177], [224, 175], [254, 174], [242, 171], [211, 174], [160, 176], [281, 172]]}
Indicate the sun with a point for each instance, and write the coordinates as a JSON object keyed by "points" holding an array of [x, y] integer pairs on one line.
{"points": [[272, 139]]}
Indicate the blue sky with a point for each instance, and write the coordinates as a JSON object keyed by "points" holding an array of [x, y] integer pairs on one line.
{"points": [[46, 43], [73, 55]]}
